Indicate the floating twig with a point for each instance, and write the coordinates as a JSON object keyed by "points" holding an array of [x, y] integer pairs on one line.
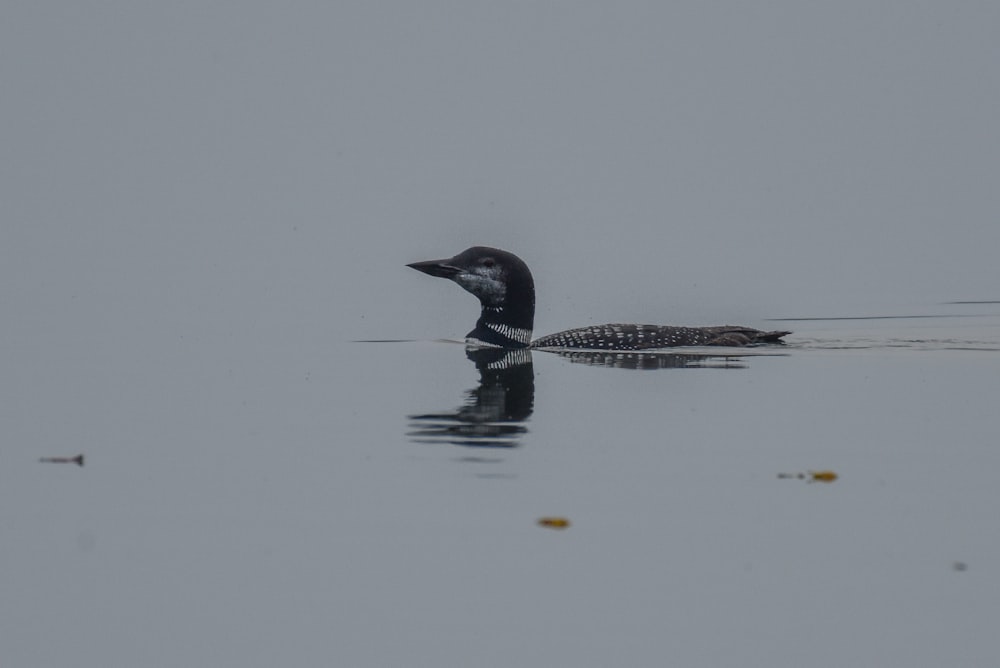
{"points": [[811, 476], [78, 460]]}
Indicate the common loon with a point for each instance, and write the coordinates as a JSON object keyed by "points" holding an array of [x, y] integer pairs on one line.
{"points": [[506, 291]]}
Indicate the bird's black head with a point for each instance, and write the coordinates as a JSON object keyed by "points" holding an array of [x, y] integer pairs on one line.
{"points": [[500, 280]]}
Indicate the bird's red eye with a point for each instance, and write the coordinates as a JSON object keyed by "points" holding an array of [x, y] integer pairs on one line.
{"points": [[488, 262]]}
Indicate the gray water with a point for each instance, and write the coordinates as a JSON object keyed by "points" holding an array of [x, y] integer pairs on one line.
{"points": [[205, 208], [262, 506]]}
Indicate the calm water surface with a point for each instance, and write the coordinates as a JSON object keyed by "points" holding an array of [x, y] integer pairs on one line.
{"points": [[373, 504]]}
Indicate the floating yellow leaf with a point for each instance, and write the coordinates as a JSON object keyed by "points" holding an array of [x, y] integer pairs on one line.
{"points": [[553, 522]]}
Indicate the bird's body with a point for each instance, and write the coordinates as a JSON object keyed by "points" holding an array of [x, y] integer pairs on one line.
{"points": [[506, 292]]}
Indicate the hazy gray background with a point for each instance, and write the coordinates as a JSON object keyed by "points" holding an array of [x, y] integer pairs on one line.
{"points": [[257, 164], [204, 203]]}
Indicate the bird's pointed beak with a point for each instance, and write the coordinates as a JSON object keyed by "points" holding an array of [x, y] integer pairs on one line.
{"points": [[440, 268]]}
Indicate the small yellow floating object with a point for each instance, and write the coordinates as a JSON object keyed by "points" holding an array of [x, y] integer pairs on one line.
{"points": [[553, 522]]}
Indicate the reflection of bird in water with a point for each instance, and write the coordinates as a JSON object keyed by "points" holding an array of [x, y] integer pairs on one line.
{"points": [[651, 360], [494, 412], [506, 291]]}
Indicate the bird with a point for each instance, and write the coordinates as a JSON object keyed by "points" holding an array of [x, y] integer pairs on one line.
{"points": [[506, 292]]}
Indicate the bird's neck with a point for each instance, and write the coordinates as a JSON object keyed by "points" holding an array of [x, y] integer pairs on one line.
{"points": [[495, 328], [509, 324]]}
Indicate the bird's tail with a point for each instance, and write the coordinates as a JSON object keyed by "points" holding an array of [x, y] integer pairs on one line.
{"points": [[770, 337]]}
